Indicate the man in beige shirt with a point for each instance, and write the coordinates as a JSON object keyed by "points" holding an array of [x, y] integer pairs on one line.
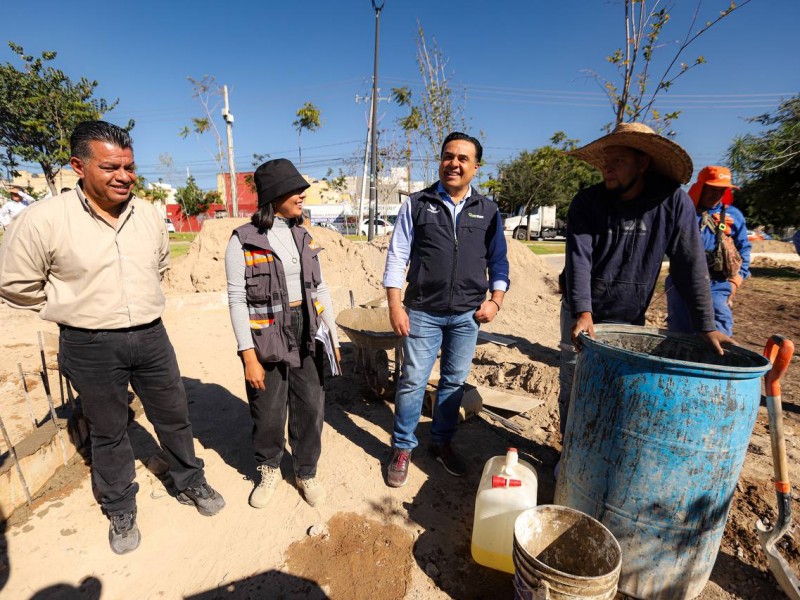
{"points": [[91, 260]]}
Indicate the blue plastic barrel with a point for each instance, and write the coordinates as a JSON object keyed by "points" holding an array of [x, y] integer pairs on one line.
{"points": [[656, 437]]}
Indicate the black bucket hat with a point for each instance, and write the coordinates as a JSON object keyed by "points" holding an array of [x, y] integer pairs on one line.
{"points": [[276, 178]]}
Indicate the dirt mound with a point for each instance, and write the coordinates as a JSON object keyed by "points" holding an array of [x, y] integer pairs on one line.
{"points": [[346, 265], [530, 309], [773, 246], [355, 557], [531, 306]]}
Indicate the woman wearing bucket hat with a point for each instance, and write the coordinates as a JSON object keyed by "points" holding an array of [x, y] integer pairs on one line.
{"points": [[618, 233], [723, 232], [280, 307]]}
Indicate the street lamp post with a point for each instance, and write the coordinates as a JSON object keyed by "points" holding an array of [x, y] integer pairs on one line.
{"points": [[373, 173]]}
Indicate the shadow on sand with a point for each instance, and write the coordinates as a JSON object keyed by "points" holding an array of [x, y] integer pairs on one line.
{"points": [[269, 584]]}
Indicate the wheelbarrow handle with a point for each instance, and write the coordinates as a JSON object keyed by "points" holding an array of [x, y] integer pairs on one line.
{"points": [[779, 351]]}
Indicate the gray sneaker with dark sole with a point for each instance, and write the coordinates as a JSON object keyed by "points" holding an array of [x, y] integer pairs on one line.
{"points": [[123, 533], [205, 498]]}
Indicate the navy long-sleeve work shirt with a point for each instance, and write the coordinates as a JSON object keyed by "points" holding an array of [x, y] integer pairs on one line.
{"points": [[615, 249]]}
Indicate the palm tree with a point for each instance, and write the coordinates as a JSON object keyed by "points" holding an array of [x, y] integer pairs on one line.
{"points": [[308, 117], [411, 122]]}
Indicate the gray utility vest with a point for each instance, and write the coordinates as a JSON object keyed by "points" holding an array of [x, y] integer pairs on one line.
{"points": [[268, 300]]}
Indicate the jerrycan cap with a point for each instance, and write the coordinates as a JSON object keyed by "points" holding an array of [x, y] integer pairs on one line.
{"points": [[512, 459]]}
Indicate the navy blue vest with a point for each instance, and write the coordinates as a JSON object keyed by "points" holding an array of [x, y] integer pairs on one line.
{"points": [[449, 273]]}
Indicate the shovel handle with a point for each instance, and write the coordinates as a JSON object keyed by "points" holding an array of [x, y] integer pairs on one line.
{"points": [[779, 351]]}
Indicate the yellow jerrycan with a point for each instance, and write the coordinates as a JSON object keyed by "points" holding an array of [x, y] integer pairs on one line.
{"points": [[508, 486]]}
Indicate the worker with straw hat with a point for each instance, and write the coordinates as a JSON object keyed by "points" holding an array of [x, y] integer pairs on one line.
{"points": [[618, 233]]}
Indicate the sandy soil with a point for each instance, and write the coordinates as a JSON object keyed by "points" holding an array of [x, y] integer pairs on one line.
{"points": [[411, 542]]}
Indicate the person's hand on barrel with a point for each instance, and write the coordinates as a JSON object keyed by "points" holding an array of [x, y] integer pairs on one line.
{"points": [[398, 317], [716, 339], [585, 323]]}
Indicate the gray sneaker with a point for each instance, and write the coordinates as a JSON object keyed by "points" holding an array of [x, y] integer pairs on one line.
{"points": [[123, 533], [312, 490], [263, 492], [205, 498]]}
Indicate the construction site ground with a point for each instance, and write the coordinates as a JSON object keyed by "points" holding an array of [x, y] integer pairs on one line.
{"points": [[366, 540]]}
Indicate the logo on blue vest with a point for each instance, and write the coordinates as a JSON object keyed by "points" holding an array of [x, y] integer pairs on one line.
{"points": [[433, 210]]}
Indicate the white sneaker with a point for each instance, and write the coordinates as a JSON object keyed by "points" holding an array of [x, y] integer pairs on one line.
{"points": [[312, 490], [264, 491]]}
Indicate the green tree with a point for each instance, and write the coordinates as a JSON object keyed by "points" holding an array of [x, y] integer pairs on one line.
{"points": [[768, 167], [541, 177], [39, 108], [151, 193], [308, 118], [192, 199], [634, 97], [338, 183]]}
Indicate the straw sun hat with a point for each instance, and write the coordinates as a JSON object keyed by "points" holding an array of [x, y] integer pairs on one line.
{"points": [[668, 158]]}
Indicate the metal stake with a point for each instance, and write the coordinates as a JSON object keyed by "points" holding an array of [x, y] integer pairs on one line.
{"points": [[27, 395], [46, 384], [13, 454]]}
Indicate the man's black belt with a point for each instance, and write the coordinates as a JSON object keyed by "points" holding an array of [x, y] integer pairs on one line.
{"points": [[122, 330]]}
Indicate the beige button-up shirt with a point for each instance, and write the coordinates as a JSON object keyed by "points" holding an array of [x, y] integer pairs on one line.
{"points": [[61, 258]]}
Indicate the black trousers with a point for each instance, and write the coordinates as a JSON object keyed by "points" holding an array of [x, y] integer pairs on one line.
{"points": [[101, 364], [299, 392]]}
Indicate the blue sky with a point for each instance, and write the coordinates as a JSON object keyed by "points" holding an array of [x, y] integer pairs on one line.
{"points": [[522, 62]]}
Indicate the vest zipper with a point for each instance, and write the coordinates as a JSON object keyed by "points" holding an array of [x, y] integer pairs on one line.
{"points": [[455, 256], [453, 274]]}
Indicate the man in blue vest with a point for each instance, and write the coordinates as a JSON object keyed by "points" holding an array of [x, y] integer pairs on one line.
{"points": [[451, 239]]}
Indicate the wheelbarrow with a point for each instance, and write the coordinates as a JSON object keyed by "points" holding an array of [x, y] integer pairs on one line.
{"points": [[779, 351], [371, 333]]}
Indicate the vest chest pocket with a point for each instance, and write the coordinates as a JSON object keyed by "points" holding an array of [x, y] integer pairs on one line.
{"points": [[257, 276]]}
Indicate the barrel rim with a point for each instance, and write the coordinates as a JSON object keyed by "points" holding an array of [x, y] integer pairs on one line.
{"points": [[666, 363]]}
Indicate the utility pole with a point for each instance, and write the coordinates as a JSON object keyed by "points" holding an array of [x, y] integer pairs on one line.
{"points": [[373, 176], [226, 114], [364, 173]]}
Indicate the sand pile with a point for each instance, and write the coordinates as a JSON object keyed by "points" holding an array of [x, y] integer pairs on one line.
{"points": [[203, 268], [346, 265], [530, 309], [773, 246]]}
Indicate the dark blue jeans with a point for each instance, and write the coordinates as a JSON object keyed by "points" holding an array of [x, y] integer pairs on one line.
{"points": [[297, 391], [100, 364]]}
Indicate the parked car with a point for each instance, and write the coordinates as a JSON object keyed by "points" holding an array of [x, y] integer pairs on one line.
{"points": [[326, 225], [382, 227], [170, 225]]}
